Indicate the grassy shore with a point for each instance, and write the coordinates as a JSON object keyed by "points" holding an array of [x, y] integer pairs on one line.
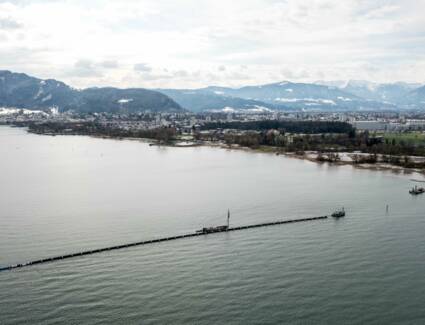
{"points": [[346, 158], [413, 138]]}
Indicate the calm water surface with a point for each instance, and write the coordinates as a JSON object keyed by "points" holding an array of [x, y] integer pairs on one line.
{"points": [[68, 193]]}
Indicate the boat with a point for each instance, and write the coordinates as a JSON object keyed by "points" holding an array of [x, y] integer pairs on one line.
{"points": [[417, 190], [339, 213], [210, 230]]}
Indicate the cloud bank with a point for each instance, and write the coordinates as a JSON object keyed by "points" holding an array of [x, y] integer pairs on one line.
{"points": [[194, 43]]}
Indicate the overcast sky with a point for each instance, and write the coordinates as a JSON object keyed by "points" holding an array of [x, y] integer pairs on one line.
{"points": [[194, 43]]}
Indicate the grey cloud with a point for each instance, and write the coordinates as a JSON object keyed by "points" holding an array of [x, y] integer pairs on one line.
{"points": [[109, 64], [83, 64], [292, 75], [145, 72], [8, 23], [379, 10], [239, 76], [142, 67], [320, 75], [303, 11], [326, 5], [154, 77], [287, 73], [181, 74], [196, 74], [17, 57], [24, 3], [85, 68], [221, 68]]}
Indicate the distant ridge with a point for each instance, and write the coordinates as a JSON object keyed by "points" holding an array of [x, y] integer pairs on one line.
{"points": [[19, 90], [22, 91], [416, 98], [202, 100], [280, 95]]}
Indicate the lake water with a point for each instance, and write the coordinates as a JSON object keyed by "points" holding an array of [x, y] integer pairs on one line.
{"points": [[65, 194]]}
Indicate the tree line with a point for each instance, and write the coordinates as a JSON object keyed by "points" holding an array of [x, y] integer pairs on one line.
{"points": [[306, 127], [162, 134]]}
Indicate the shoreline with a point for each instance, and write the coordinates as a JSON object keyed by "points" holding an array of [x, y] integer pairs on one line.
{"points": [[275, 150], [378, 166]]}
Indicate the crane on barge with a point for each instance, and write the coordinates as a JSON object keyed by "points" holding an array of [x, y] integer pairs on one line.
{"points": [[210, 230]]}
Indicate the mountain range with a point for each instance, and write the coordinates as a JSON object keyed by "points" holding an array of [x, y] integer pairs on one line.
{"points": [[22, 91], [352, 95]]}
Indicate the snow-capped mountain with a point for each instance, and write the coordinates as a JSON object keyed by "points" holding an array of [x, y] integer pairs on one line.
{"points": [[201, 100], [281, 95], [416, 98], [22, 91], [393, 93]]}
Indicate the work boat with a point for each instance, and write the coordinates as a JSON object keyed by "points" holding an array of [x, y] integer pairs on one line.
{"points": [[417, 190], [339, 213], [210, 230]]}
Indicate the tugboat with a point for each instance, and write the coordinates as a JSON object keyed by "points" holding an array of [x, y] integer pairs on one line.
{"points": [[417, 190], [210, 230], [339, 213]]}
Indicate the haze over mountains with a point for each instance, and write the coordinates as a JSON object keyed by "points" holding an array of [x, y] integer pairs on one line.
{"points": [[22, 91]]}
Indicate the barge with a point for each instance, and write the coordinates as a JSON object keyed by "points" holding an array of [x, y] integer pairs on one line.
{"points": [[211, 230]]}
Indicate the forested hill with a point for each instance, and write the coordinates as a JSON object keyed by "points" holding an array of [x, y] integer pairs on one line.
{"points": [[18, 90]]}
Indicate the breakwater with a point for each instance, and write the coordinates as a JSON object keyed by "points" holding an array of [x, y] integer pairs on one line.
{"points": [[152, 241]]}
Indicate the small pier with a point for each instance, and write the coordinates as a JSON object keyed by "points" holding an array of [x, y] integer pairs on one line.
{"points": [[152, 241]]}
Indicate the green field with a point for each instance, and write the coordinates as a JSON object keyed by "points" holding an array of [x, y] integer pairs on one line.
{"points": [[417, 138]]}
